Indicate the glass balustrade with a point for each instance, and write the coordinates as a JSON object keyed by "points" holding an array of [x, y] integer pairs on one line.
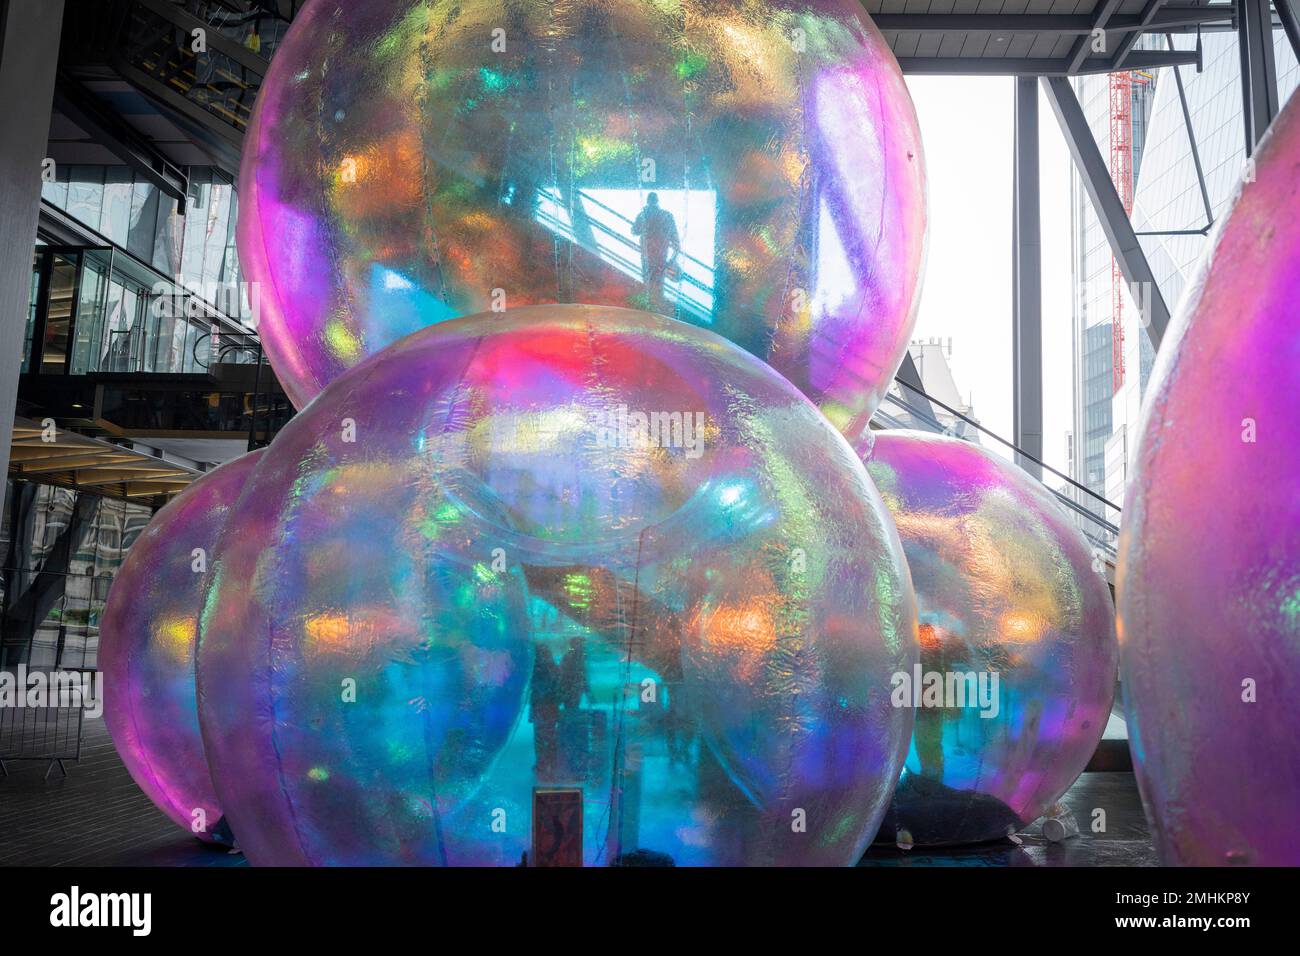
{"points": [[95, 310]]}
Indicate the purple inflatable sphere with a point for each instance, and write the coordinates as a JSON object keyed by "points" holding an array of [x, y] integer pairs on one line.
{"points": [[578, 584], [147, 644], [752, 167], [1209, 569], [1012, 613]]}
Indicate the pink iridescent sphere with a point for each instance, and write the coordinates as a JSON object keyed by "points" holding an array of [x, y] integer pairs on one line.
{"points": [[1209, 569], [578, 584], [752, 167], [1011, 615], [147, 644]]}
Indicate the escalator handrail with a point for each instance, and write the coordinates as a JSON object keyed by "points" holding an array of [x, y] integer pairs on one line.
{"points": [[1019, 451], [938, 426], [215, 39]]}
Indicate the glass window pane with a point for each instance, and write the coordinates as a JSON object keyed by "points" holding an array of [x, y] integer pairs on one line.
{"points": [[90, 314], [197, 208], [115, 219], [116, 343], [218, 228], [144, 220], [37, 258], [131, 312], [86, 194], [56, 192], [166, 256], [58, 314]]}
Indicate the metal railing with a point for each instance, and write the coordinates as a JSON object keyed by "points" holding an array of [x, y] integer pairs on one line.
{"points": [[626, 255], [1101, 533], [52, 732]]}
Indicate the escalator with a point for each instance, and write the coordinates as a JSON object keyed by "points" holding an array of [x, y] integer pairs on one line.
{"points": [[201, 62]]}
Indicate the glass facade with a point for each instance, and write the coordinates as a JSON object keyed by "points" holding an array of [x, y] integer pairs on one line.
{"points": [[100, 310], [196, 249], [61, 549], [1094, 319], [96, 310], [1093, 424], [1166, 199]]}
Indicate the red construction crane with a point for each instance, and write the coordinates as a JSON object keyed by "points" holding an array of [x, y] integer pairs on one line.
{"points": [[1121, 171]]}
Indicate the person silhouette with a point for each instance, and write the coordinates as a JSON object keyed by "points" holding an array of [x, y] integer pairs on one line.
{"points": [[544, 711], [659, 245]]}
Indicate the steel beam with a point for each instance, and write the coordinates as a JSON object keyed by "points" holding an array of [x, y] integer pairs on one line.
{"points": [[1148, 15], [1083, 46], [113, 133], [1027, 283], [1043, 66], [1191, 142], [1095, 176], [1258, 71], [1048, 23]]}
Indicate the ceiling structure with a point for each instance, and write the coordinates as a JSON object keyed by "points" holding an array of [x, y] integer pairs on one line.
{"points": [[1040, 37], [57, 456], [122, 98], [115, 109]]}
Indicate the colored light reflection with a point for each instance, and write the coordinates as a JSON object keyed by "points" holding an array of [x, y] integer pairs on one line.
{"points": [[1209, 566], [1005, 587], [696, 643], [147, 648], [778, 140]]}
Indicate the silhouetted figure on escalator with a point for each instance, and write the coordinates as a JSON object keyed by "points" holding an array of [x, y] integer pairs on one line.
{"points": [[659, 247]]}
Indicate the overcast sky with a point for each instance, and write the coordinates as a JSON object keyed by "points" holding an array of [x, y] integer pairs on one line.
{"points": [[966, 129]]}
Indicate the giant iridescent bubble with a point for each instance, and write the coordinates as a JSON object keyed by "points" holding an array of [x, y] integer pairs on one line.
{"points": [[1209, 569], [752, 167], [1016, 625], [147, 643], [573, 582]]}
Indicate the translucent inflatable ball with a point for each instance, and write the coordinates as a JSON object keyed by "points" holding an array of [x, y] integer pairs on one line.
{"points": [[1018, 657], [148, 639], [1209, 571], [750, 167], [568, 585]]}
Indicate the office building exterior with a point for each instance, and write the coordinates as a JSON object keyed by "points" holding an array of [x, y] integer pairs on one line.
{"points": [[1174, 227]]}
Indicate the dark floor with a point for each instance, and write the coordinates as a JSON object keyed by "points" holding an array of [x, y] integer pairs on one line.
{"points": [[1125, 842], [96, 816]]}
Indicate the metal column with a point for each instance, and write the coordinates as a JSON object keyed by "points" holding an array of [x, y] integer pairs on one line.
{"points": [[28, 57], [1115, 223], [1258, 71], [1027, 282]]}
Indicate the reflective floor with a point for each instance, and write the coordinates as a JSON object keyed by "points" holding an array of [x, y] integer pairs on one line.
{"points": [[97, 816]]}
